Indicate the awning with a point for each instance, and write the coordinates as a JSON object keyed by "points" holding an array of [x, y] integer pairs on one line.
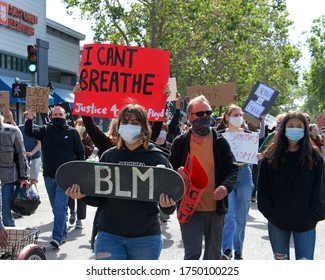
{"points": [[63, 95], [6, 84]]}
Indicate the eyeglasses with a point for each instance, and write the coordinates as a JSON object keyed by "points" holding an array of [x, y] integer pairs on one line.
{"points": [[201, 113]]}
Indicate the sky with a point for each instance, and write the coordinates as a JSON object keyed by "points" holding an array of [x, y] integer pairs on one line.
{"points": [[301, 12]]}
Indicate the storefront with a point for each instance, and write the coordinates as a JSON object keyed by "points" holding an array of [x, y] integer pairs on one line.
{"points": [[24, 23]]}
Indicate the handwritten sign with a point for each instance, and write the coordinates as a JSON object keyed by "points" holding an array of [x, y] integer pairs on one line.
{"points": [[4, 101], [270, 121], [260, 101], [112, 76], [217, 95], [243, 145], [38, 97], [173, 89]]}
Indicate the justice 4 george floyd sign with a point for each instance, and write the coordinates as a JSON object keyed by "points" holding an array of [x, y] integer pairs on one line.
{"points": [[259, 102], [112, 76]]}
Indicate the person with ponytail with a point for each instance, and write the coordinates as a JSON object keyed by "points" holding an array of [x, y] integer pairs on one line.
{"points": [[239, 198]]}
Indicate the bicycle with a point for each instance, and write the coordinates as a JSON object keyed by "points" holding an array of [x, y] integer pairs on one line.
{"points": [[22, 245]]}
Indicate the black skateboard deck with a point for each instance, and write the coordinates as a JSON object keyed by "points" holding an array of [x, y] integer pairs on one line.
{"points": [[144, 183]]}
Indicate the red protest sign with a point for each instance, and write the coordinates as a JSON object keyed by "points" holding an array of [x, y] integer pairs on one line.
{"points": [[112, 76]]}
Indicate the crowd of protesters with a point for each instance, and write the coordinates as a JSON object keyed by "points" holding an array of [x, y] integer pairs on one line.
{"points": [[287, 183]]}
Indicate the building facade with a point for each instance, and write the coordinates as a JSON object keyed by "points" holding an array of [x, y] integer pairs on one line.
{"points": [[23, 23]]}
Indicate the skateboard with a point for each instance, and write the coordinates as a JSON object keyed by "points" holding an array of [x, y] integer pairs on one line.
{"points": [[143, 183]]}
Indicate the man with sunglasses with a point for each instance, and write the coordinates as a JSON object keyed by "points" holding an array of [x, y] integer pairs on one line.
{"points": [[214, 154]]}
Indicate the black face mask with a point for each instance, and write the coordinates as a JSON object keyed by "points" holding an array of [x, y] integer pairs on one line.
{"points": [[58, 122], [201, 126]]}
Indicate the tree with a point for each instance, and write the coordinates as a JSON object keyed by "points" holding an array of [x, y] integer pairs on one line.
{"points": [[210, 41], [314, 78]]}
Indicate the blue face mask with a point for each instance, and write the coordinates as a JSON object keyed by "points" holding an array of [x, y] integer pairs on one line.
{"points": [[294, 134]]}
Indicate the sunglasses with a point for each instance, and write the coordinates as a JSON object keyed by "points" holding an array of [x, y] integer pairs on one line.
{"points": [[201, 113]]}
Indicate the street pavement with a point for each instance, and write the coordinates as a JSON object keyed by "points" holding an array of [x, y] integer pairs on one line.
{"points": [[77, 247]]}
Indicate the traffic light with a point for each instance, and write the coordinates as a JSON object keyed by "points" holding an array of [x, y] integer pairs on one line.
{"points": [[32, 58]]}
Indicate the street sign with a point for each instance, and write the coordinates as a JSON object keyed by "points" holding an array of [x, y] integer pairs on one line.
{"points": [[19, 90]]}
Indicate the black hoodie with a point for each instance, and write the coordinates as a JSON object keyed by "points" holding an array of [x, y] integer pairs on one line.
{"points": [[130, 218]]}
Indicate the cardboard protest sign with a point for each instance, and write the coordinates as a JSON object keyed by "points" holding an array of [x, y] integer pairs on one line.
{"points": [[259, 102], [112, 76], [243, 145], [251, 119], [173, 89], [38, 97], [4, 101], [223, 94], [66, 106]]}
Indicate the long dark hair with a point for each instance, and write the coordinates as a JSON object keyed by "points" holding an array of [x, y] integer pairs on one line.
{"points": [[276, 151]]}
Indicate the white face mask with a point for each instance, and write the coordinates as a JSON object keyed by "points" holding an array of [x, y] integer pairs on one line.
{"points": [[81, 129], [236, 121], [130, 133]]}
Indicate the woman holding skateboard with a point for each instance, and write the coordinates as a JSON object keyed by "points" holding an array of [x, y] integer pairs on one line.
{"points": [[129, 229]]}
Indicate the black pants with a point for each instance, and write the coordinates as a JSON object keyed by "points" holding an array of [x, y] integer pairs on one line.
{"points": [[81, 208]]}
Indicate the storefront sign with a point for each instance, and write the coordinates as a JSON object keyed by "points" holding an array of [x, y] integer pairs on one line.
{"points": [[17, 19]]}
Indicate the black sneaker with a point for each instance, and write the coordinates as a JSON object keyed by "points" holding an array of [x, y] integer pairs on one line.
{"points": [[55, 244], [72, 218], [226, 255], [238, 256]]}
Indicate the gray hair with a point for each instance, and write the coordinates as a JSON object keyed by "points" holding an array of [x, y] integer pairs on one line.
{"points": [[199, 98]]}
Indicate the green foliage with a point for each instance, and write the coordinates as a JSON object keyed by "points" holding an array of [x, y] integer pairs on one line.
{"points": [[314, 78], [210, 41]]}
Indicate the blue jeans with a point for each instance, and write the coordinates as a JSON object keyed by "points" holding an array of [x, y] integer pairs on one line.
{"points": [[304, 243], [236, 218], [114, 247], [59, 201], [8, 191]]}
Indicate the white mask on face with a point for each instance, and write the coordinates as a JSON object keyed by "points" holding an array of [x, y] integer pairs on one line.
{"points": [[130, 133], [236, 121], [81, 129]]}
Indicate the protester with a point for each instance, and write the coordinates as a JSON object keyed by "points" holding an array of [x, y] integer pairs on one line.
{"points": [[14, 168], [164, 144], [104, 141], [268, 139], [129, 229], [214, 154], [60, 143], [291, 191], [239, 199], [33, 153], [78, 214], [316, 139]]}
